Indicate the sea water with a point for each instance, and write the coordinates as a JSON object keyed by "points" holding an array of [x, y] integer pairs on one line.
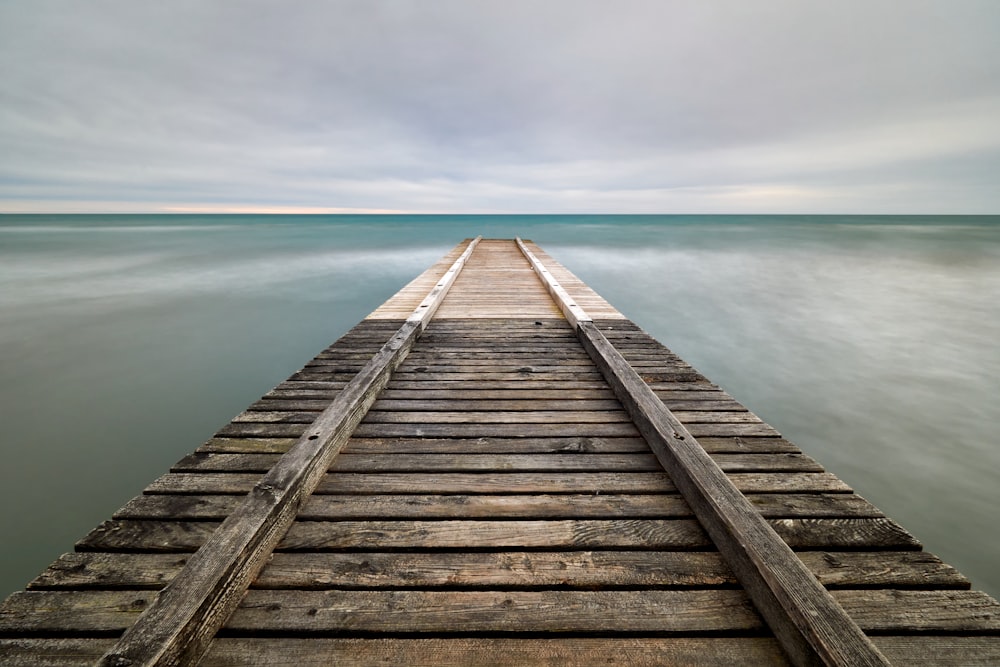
{"points": [[869, 341]]}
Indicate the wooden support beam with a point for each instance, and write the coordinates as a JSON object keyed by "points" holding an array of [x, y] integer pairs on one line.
{"points": [[179, 626], [571, 310], [811, 626]]}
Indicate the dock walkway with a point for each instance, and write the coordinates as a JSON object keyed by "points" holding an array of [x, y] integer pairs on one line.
{"points": [[497, 467]]}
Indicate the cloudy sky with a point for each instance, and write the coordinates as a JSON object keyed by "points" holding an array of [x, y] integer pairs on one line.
{"points": [[661, 106]]}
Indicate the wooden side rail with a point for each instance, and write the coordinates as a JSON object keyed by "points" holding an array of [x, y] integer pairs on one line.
{"points": [[179, 626], [811, 626]]}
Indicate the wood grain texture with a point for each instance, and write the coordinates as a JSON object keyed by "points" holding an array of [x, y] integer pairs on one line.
{"points": [[462, 506], [521, 569], [130, 535], [508, 482], [422, 611], [920, 651]]}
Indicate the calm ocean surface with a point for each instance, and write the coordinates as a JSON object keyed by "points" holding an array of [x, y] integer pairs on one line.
{"points": [[870, 341]]}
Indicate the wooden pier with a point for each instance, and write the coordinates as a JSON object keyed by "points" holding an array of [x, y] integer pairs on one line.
{"points": [[496, 467]]}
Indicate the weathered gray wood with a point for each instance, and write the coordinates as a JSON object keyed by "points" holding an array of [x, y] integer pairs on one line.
{"points": [[580, 444], [616, 415], [104, 570], [524, 393], [921, 611], [496, 611], [248, 445], [577, 445], [179, 507], [568, 462], [181, 536], [882, 569], [524, 482], [493, 652], [551, 506], [459, 402], [512, 430], [476, 384], [584, 569], [181, 622], [584, 611], [460, 462], [53, 652], [921, 651]]}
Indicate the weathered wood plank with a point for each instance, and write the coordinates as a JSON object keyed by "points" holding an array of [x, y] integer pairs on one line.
{"points": [[523, 393], [179, 507], [496, 445], [892, 611], [435, 462], [473, 405], [615, 415], [181, 536], [511, 430], [489, 611], [248, 445], [584, 569], [349, 462], [921, 651], [581, 444], [882, 569], [562, 506], [620, 482], [524, 383], [808, 534]]}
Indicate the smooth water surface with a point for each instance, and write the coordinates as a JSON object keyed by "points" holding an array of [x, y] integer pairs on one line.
{"points": [[871, 342]]}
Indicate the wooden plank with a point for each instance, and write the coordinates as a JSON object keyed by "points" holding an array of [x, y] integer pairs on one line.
{"points": [[495, 652], [496, 611], [514, 430], [181, 622], [616, 415], [524, 383], [569, 462], [507, 428], [882, 569], [248, 445], [580, 444], [518, 394], [563, 506], [179, 507], [505, 569], [585, 569], [496, 445], [808, 534], [478, 405], [527, 482], [891, 611], [922, 651], [558, 375]]}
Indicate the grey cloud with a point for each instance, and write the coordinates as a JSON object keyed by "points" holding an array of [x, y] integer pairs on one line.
{"points": [[498, 106]]}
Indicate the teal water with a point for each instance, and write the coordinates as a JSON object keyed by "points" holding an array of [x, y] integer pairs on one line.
{"points": [[870, 341]]}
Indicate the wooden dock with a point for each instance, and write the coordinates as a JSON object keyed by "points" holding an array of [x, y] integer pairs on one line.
{"points": [[496, 467]]}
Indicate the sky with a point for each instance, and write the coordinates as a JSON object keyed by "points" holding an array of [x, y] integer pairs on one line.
{"points": [[540, 106]]}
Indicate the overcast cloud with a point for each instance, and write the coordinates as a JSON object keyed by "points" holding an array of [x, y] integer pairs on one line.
{"points": [[439, 106]]}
